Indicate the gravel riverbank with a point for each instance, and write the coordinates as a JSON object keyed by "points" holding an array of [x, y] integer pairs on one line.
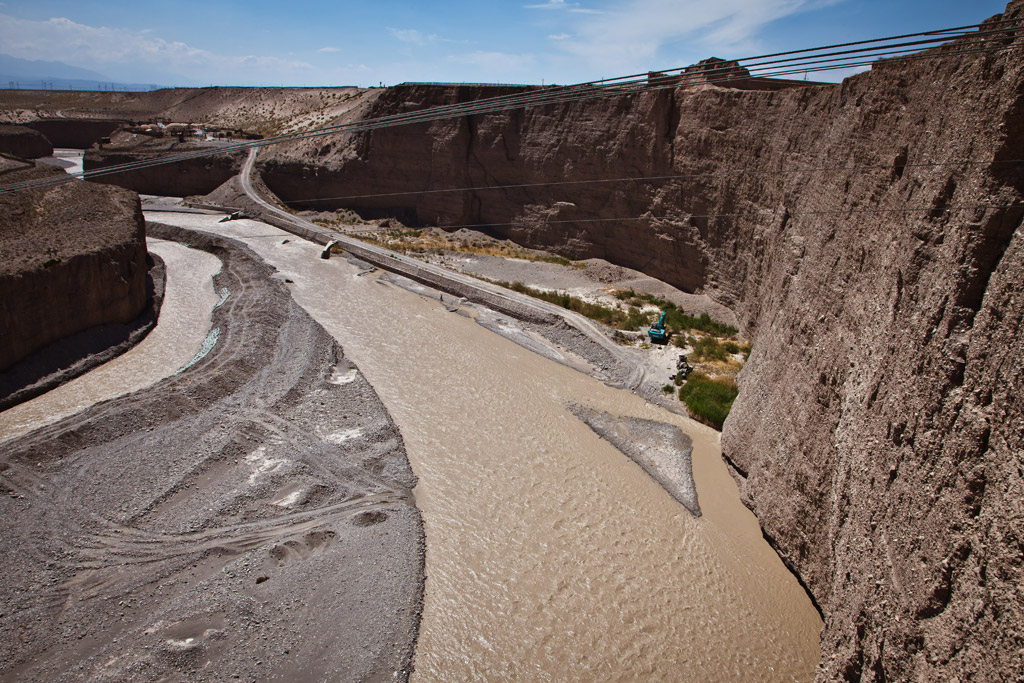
{"points": [[250, 517]]}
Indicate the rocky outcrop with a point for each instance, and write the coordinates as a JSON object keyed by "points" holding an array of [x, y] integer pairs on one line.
{"points": [[24, 142], [869, 238], [72, 256]]}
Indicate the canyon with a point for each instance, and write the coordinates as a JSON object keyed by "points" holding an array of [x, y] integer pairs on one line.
{"points": [[867, 236]]}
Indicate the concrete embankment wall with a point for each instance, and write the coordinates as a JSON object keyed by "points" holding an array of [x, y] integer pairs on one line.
{"points": [[410, 269]]}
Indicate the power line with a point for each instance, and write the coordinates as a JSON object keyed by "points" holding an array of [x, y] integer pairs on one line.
{"points": [[532, 98], [757, 214], [428, 115], [624, 85], [661, 178]]}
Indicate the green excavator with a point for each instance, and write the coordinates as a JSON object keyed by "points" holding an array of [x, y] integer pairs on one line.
{"points": [[658, 333]]}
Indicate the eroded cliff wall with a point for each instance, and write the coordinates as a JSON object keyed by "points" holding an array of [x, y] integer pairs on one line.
{"points": [[181, 179], [72, 257], [24, 142], [869, 237]]}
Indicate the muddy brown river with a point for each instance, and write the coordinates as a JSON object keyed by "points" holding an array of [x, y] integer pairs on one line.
{"points": [[550, 554]]}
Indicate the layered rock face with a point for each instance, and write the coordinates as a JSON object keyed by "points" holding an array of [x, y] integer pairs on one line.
{"points": [[869, 237], [24, 142], [182, 179], [72, 256]]}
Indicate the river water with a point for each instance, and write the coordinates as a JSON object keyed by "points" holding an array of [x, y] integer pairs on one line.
{"points": [[550, 555]]}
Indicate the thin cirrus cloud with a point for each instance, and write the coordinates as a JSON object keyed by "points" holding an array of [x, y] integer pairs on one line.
{"points": [[329, 48], [414, 37], [114, 49]]}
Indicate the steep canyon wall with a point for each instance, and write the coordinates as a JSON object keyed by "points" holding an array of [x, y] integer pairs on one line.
{"points": [[72, 257], [181, 179], [869, 237]]}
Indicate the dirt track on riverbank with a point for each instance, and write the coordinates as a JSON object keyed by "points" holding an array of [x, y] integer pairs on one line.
{"points": [[192, 530]]}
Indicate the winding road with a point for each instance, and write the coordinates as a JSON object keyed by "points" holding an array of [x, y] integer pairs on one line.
{"points": [[505, 300]]}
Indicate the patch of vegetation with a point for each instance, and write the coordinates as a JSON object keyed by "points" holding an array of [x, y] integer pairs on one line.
{"points": [[708, 400], [709, 349], [613, 317], [676, 319]]}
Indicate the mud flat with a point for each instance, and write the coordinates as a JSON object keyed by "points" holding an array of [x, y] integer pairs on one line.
{"points": [[550, 554], [248, 517]]}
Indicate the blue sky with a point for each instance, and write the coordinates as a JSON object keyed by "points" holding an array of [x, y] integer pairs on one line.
{"points": [[305, 42]]}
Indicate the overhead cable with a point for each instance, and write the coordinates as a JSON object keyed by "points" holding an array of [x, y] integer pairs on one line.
{"points": [[820, 60]]}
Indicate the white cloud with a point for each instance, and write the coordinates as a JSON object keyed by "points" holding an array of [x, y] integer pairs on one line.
{"points": [[408, 35], [629, 37], [329, 48], [414, 37], [559, 36], [131, 52], [573, 7]]}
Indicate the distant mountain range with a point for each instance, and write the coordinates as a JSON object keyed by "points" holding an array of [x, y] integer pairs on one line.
{"points": [[36, 74]]}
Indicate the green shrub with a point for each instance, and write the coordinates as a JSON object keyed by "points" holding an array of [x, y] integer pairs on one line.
{"points": [[667, 389], [708, 349], [708, 400], [732, 347], [633, 319]]}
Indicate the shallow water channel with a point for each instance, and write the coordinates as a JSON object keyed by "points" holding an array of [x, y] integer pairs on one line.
{"points": [[550, 555]]}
